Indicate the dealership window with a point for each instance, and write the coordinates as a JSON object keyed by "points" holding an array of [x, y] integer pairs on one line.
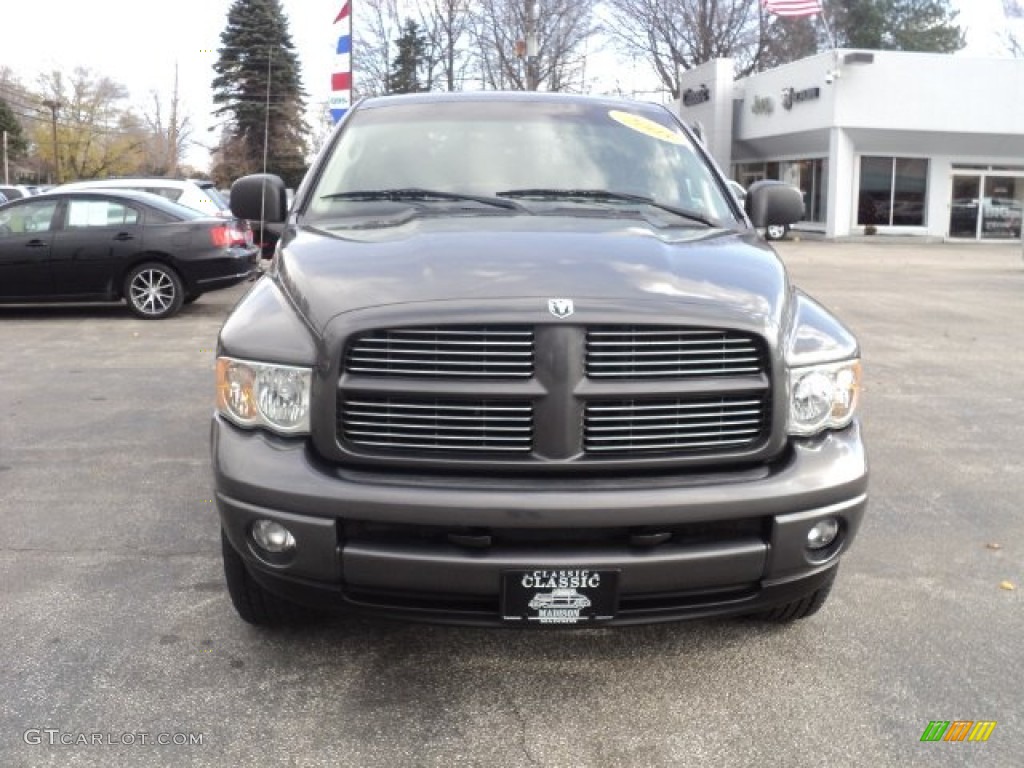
{"points": [[811, 176], [747, 173], [893, 191]]}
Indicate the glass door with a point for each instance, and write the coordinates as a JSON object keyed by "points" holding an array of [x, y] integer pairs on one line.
{"points": [[963, 211], [1001, 208]]}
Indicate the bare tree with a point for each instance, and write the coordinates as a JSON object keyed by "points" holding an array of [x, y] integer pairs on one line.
{"points": [[376, 25], [167, 145], [562, 29], [94, 136], [446, 26], [682, 34], [1013, 37]]}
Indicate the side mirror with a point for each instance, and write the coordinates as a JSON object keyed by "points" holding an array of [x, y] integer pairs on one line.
{"points": [[260, 197], [774, 202]]}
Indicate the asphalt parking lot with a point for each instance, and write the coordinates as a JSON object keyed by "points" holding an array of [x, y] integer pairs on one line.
{"points": [[115, 621]]}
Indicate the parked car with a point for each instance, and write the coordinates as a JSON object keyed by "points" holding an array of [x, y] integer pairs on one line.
{"points": [[15, 191], [108, 245], [776, 231], [200, 195], [3, 198], [521, 339]]}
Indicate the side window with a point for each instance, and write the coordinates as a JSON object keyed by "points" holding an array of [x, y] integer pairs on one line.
{"points": [[100, 213], [153, 216], [170, 193], [30, 217]]}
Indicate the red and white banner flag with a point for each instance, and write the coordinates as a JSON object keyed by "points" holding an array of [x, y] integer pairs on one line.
{"points": [[341, 78], [793, 7]]}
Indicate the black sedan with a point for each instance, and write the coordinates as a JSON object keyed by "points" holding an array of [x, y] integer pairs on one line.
{"points": [[110, 245]]}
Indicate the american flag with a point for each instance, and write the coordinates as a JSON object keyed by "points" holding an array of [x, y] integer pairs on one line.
{"points": [[793, 7]]}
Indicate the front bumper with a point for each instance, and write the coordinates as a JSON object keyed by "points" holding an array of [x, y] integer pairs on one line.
{"points": [[425, 568]]}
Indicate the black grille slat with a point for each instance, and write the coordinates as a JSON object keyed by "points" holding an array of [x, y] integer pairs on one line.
{"points": [[435, 424], [631, 352], [637, 426], [471, 352]]}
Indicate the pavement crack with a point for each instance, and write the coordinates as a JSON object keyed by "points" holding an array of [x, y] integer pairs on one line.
{"points": [[521, 721]]}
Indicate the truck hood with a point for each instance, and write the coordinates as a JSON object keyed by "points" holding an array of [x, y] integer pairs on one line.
{"points": [[330, 271]]}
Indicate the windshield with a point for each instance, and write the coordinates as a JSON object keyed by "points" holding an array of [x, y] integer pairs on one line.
{"points": [[488, 147]]}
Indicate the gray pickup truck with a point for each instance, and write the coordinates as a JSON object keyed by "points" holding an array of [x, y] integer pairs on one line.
{"points": [[515, 346]]}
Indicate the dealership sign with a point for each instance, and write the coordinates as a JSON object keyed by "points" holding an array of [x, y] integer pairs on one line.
{"points": [[762, 105], [695, 96], [791, 96]]}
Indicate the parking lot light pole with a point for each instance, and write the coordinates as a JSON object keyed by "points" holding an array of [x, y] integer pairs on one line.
{"points": [[53, 106]]}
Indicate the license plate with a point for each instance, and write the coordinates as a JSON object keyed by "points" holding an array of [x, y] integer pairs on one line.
{"points": [[558, 597]]}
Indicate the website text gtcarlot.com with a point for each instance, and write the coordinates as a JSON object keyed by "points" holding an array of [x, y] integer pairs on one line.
{"points": [[53, 737]]}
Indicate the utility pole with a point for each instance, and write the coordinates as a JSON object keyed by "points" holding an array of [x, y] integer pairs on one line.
{"points": [[7, 175], [531, 45], [53, 106]]}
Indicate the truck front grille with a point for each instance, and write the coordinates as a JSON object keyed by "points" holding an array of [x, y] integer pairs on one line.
{"points": [[457, 352], [554, 394], [677, 425], [634, 352], [434, 424]]}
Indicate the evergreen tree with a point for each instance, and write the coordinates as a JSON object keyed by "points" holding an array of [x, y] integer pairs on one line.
{"points": [[409, 61], [17, 144], [896, 25], [887, 25], [259, 89]]}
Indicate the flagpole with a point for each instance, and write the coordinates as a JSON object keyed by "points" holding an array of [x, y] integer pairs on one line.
{"points": [[831, 40], [828, 29], [805, 8]]}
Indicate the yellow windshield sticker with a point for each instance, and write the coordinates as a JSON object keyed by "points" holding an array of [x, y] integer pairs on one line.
{"points": [[648, 127]]}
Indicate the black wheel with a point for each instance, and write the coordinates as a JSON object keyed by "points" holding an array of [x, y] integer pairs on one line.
{"points": [[802, 608], [255, 604], [154, 291], [775, 231]]}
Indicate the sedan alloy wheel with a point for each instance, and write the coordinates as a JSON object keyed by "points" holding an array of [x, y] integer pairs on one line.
{"points": [[154, 291]]}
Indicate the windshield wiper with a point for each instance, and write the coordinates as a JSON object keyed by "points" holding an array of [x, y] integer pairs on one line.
{"points": [[604, 195], [416, 194]]}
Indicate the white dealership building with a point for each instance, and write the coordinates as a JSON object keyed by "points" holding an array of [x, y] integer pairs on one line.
{"points": [[904, 143]]}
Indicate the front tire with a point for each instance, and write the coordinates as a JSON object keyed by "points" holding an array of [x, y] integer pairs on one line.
{"points": [[776, 232], [255, 604], [154, 291]]}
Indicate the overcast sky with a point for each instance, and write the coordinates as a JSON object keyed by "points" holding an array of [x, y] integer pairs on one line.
{"points": [[138, 42]]}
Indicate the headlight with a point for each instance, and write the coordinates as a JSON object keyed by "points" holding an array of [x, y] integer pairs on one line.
{"points": [[263, 395], [823, 397]]}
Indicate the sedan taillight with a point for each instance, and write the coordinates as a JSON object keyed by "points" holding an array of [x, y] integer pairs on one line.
{"points": [[230, 235]]}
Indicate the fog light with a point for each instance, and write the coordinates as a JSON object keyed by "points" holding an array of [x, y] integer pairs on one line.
{"points": [[272, 537], [823, 533]]}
